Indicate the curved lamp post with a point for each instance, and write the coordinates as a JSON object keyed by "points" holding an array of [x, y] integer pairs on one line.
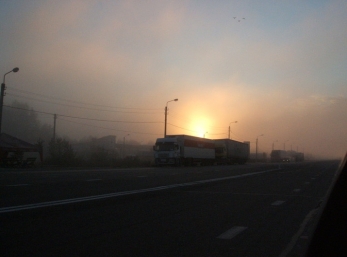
{"points": [[229, 126], [3, 93], [174, 100]]}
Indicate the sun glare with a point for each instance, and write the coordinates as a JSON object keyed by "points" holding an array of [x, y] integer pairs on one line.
{"points": [[201, 132], [200, 127]]}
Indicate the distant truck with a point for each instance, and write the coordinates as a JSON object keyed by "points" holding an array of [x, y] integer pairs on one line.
{"points": [[286, 156], [299, 157], [280, 156], [230, 151], [188, 150], [183, 150]]}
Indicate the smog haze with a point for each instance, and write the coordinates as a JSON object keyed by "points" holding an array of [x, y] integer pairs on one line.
{"points": [[111, 67]]}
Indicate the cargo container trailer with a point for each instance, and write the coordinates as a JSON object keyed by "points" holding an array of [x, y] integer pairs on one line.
{"points": [[183, 150]]}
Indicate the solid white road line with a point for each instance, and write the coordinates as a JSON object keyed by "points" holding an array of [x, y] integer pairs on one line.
{"points": [[116, 194], [231, 233]]}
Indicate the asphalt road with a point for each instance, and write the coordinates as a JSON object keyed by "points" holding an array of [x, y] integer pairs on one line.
{"points": [[240, 210]]}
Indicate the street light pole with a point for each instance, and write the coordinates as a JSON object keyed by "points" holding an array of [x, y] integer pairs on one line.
{"points": [[256, 148], [124, 145], [229, 127], [3, 93], [174, 100]]}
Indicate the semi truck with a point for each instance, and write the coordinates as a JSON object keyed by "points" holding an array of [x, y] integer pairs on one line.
{"points": [[188, 150], [280, 156], [286, 156], [230, 151], [183, 150]]}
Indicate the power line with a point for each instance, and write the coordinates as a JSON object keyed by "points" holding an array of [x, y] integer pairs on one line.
{"points": [[101, 120], [217, 134], [78, 102], [126, 131], [82, 118], [80, 107], [182, 128]]}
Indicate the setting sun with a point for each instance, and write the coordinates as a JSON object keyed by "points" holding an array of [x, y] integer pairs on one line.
{"points": [[200, 126]]}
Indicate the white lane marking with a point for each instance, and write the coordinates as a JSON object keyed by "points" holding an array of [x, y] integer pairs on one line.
{"points": [[279, 202], [94, 179], [297, 190], [18, 185], [231, 233], [117, 194]]}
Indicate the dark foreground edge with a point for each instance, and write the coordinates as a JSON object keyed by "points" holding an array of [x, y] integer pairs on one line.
{"points": [[330, 236]]}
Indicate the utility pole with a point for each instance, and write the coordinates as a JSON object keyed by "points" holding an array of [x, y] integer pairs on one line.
{"points": [[55, 123], [165, 121], [229, 127], [256, 150], [123, 152], [1, 102]]}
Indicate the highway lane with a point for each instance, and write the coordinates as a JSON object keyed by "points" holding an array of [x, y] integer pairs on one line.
{"points": [[255, 215], [25, 187]]}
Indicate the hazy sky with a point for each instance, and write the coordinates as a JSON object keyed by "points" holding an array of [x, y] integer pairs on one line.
{"points": [[279, 68]]}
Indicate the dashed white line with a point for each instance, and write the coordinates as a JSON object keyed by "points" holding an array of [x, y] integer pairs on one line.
{"points": [[231, 233], [279, 202]]}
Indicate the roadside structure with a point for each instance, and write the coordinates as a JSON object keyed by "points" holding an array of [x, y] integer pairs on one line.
{"points": [[13, 149]]}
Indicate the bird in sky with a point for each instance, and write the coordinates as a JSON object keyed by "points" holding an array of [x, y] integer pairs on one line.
{"points": [[239, 19]]}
